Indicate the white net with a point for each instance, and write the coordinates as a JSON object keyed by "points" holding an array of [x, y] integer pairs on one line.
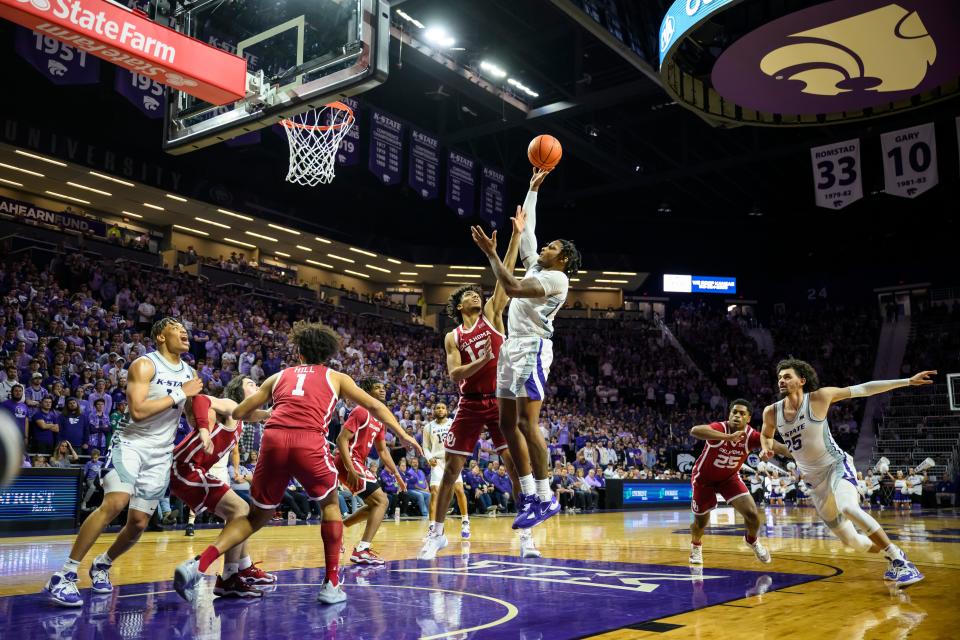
{"points": [[314, 138]]}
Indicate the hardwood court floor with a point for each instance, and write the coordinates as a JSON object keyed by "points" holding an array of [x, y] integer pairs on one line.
{"points": [[615, 576]]}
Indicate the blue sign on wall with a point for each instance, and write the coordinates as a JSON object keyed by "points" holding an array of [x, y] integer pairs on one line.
{"points": [[656, 492]]}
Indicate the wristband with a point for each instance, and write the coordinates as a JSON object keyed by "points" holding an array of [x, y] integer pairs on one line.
{"points": [[179, 397]]}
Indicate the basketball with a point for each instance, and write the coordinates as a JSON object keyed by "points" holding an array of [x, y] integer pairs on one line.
{"points": [[545, 152]]}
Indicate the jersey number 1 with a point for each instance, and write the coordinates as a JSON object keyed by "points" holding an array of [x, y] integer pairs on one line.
{"points": [[298, 390]]}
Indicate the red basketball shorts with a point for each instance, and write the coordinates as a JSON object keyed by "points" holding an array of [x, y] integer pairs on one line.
{"points": [[705, 493], [473, 416], [198, 488], [292, 453]]}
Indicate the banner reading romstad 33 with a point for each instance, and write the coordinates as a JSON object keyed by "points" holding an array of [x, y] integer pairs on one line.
{"points": [[910, 161], [837, 179]]}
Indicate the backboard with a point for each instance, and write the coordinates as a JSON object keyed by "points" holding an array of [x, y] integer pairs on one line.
{"points": [[300, 54]]}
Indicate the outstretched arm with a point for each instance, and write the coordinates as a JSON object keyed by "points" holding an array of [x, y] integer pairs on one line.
{"points": [[528, 242], [526, 288], [706, 432], [824, 397], [493, 310], [256, 400]]}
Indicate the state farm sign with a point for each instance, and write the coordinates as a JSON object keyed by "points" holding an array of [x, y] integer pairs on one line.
{"points": [[132, 41]]}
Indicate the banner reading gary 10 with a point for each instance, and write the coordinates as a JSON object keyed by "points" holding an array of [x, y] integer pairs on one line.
{"points": [[118, 35]]}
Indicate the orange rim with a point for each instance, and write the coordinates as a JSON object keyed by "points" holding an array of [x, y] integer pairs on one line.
{"points": [[323, 127]]}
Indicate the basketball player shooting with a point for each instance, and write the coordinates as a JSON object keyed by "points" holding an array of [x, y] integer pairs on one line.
{"points": [[717, 470], [527, 353], [824, 465]]}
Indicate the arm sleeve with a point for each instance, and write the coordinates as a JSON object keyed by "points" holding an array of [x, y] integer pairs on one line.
{"points": [[553, 282], [528, 241], [201, 409]]}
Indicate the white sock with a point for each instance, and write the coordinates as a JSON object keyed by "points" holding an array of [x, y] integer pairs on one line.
{"points": [[438, 530], [245, 563], [433, 525], [229, 569], [103, 558], [363, 546], [465, 519], [893, 552], [71, 566], [543, 490], [527, 485]]}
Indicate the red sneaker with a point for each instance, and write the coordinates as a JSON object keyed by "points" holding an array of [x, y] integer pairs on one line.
{"points": [[234, 587], [367, 556], [255, 575]]}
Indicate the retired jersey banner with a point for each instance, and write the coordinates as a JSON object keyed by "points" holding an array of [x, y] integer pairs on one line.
{"points": [[58, 62], [348, 154], [910, 160], [461, 184], [145, 93], [423, 174], [837, 174], [386, 147], [491, 197]]}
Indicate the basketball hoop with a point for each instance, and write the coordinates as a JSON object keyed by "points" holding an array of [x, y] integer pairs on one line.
{"points": [[314, 138]]}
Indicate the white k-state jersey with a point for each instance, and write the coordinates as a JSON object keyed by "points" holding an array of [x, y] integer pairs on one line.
{"points": [[159, 430], [809, 440], [533, 317]]}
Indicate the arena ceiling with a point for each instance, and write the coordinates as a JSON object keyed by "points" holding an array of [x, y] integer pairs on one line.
{"points": [[645, 185]]}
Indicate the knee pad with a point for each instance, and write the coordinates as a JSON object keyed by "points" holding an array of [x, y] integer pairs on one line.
{"points": [[850, 538]]}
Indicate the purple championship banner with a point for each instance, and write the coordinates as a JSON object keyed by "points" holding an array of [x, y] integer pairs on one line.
{"points": [[492, 196], [461, 184], [146, 94], [386, 147], [348, 155], [423, 174], [58, 62]]}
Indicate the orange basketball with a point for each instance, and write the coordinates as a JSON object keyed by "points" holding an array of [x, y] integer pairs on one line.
{"points": [[544, 152]]}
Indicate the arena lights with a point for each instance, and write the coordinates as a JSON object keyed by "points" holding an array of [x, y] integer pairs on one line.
{"points": [[408, 281], [424, 266], [260, 235], [513, 82], [154, 206], [292, 232], [323, 240], [241, 243], [341, 258], [320, 264], [574, 279], [16, 184], [131, 214], [103, 176], [303, 248], [409, 273], [461, 268], [235, 215], [357, 273], [406, 16], [393, 261], [211, 222], [439, 37], [41, 158], [21, 170], [376, 268], [463, 275], [612, 281], [173, 197], [281, 253], [616, 273], [83, 186], [492, 70], [190, 230], [362, 252], [66, 197]]}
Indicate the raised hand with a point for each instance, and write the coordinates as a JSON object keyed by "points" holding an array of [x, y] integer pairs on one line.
{"points": [[922, 378], [487, 244], [539, 175], [192, 387], [519, 221], [736, 436]]}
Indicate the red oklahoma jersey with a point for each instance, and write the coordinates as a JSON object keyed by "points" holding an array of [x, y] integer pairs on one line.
{"points": [[366, 430], [721, 459], [190, 450], [303, 398], [468, 342]]}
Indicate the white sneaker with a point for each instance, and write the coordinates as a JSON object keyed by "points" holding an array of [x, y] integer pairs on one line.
{"points": [[330, 594], [430, 530], [761, 552], [696, 554], [528, 548], [186, 578], [465, 529], [431, 546]]}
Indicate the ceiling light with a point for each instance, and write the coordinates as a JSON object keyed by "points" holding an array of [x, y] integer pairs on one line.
{"points": [[60, 195], [154, 206], [574, 279], [492, 70], [36, 157], [463, 275], [664, 207], [131, 213], [300, 246], [81, 186], [321, 264], [612, 281], [617, 273], [323, 240], [392, 261], [357, 273], [341, 258], [410, 19], [370, 266], [581, 272], [513, 82], [408, 281], [467, 268], [284, 229], [216, 224], [177, 198], [281, 253], [191, 230], [438, 36], [425, 266], [366, 253], [16, 184], [604, 288], [241, 243], [235, 215], [27, 171], [112, 179], [409, 273], [260, 235]]}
